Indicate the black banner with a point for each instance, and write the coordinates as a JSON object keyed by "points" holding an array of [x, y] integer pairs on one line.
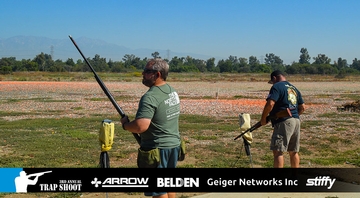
{"points": [[188, 180]]}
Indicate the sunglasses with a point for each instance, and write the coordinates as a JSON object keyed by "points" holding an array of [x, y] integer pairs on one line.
{"points": [[149, 71]]}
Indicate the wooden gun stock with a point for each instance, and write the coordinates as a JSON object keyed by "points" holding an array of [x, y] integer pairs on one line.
{"points": [[282, 114]]}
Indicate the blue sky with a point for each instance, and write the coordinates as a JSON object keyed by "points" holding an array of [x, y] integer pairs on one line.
{"points": [[210, 27]]}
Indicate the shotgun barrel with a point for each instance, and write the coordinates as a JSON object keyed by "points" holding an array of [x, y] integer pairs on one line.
{"points": [[104, 88]]}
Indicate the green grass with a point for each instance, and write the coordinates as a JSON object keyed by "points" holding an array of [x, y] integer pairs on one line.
{"points": [[246, 97], [329, 139], [351, 96], [61, 142], [73, 142], [179, 77], [44, 100], [117, 98]]}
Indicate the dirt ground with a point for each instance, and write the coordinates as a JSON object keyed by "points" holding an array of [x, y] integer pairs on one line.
{"points": [[202, 98]]}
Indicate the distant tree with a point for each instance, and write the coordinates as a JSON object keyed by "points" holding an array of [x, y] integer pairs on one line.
{"points": [[326, 69], [58, 66], [192, 65], [261, 68], [321, 65], [210, 65], [200, 65], [294, 68], [355, 64], [31, 66], [99, 64], [40, 60], [131, 61], [310, 69], [117, 66], [274, 62], [243, 66], [81, 66], [233, 59], [140, 64], [70, 62], [189, 61], [297, 68], [7, 65], [235, 64], [176, 63], [7, 61], [304, 57], [341, 63], [156, 55], [225, 65], [253, 61], [5, 70], [69, 65], [243, 61], [321, 59], [128, 60], [44, 61]]}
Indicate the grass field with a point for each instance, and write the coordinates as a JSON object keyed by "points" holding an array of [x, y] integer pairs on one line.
{"points": [[53, 119]]}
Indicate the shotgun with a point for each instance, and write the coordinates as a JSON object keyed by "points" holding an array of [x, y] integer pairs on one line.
{"points": [[104, 88], [281, 114], [38, 174]]}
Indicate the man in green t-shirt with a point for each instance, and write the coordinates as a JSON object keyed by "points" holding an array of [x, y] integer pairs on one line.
{"points": [[157, 121]]}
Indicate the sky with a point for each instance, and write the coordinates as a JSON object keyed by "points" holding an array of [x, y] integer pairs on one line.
{"points": [[221, 28]]}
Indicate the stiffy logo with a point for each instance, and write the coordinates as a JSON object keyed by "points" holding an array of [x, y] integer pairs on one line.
{"points": [[111, 182], [321, 181]]}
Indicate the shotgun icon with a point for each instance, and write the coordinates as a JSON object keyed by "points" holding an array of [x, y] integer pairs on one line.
{"points": [[23, 180], [38, 174]]}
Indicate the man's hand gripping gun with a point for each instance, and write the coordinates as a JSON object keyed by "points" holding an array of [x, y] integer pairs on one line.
{"points": [[280, 114]]}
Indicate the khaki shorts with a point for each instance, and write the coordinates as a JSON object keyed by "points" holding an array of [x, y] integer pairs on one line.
{"points": [[286, 136]]}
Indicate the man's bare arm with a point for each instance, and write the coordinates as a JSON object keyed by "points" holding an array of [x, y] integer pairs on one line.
{"points": [[267, 108], [136, 126]]}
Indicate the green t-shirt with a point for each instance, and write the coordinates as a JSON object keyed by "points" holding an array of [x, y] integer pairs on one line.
{"points": [[161, 104]]}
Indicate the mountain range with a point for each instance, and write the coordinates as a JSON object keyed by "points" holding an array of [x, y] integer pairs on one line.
{"points": [[27, 47]]}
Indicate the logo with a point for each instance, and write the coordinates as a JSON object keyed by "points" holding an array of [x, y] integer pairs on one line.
{"points": [[111, 182], [321, 181], [96, 182], [177, 182], [23, 180], [173, 99]]}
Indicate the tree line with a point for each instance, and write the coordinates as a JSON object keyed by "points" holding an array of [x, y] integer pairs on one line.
{"points": [[321, 64]]}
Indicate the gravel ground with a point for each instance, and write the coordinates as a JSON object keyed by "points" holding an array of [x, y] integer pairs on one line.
{"points": [[203, 98]]}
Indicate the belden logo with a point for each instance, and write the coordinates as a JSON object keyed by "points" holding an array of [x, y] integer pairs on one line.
{"points": [[111, 182], [178, 182]]}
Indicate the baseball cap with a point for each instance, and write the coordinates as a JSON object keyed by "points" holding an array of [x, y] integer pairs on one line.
{"points": [[275, 73]]}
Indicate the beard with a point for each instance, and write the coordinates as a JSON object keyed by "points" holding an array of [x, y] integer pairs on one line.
{"points": [[148, 82]]}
